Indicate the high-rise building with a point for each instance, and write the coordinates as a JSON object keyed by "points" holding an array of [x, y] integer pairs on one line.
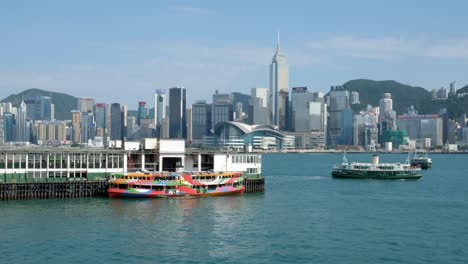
{"points": [[201, 121], [142, 112], [177, 113], [241, 104], [123, 118], [60, 131], [300, 115], [387, 117], [260, 113], [76, 126], [40, 108], [9, 124], [88, 127], [365, 128], [222, 108], [116, 121], [47, 108], [22, 127], [2, 130], [160, 113], [188, 114], [49, 132], [131, 128], [101, 118], [339, 103], [86, 105], [453, 88], [420, 127], [442, 93], [355, 98], [279, 89]]}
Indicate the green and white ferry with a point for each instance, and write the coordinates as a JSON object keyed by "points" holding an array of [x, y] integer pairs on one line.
{"points": [[376, 170], [423, 162]]}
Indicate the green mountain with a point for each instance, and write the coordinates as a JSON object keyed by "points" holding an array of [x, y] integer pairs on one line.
{"points": [[404, 96], [64, 103], [464, 89]]}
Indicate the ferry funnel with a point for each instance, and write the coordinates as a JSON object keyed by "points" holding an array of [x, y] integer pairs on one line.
{"points": [[375, 159]]}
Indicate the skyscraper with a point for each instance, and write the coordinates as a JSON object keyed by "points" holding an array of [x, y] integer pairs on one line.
{"points": [[9, 124], [76, 126], [387, 116], [86, 105], [101, 119], [222, 108], [279, 89], [201, 121], [240, 104], [177, 113], [2, 130], [47, 108], [160, 113], [131, 131], [88, 127], [123, 125], [259, 101], [339, 117], [453, 88], [142, 112], [22, 129], [116, 122], [300, 99]]}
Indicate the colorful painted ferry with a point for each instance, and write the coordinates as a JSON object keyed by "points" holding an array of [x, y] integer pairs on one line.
{"points": [[376, 170], [176, 184]]}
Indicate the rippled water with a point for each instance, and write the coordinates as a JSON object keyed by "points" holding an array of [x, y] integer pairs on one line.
{"points": [[305, 216]]}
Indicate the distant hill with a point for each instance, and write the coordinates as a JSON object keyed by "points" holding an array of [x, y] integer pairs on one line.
{"points": [[464, 89], [64, 103], [403, 96]]}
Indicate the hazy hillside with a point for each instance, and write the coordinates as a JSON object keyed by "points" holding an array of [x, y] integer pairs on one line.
{"points": [[64, 103], [405, 95], [464, 89]]}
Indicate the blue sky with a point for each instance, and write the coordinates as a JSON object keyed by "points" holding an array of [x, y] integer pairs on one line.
{"points": [[121, 51]]}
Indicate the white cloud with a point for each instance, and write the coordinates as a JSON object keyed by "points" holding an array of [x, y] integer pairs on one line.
{"points": [[388, 48], [137, 69]]}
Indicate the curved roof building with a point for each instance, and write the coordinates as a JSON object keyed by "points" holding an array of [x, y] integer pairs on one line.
{"points": [[239, 135]]}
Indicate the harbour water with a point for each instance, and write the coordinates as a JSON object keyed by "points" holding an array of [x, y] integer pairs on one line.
{"points": [[305, 216]]}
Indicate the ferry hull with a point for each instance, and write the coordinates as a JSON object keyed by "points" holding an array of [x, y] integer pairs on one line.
{"points": [[422, 165], [346, 174], [120, 193]]}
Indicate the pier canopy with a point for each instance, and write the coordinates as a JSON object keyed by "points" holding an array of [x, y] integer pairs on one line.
{"points": [[239, 135]]}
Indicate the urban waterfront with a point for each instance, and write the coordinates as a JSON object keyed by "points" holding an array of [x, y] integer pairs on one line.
{"points": [[304, 216]]}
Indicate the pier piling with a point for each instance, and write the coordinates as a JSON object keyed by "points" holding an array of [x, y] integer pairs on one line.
{"points": [[47, 190]]}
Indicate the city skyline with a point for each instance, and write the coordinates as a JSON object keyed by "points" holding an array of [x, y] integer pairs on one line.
{"points": [[142, 49]]}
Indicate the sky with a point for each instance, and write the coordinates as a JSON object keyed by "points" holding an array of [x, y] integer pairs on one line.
{"points": [[121, 51]]}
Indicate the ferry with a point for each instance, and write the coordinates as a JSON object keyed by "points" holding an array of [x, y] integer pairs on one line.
{"points": [[421, 161], [153, 185], [376, 170]]}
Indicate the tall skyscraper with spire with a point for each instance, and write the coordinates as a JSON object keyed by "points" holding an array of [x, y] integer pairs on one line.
{"points": [[279, 89]]}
